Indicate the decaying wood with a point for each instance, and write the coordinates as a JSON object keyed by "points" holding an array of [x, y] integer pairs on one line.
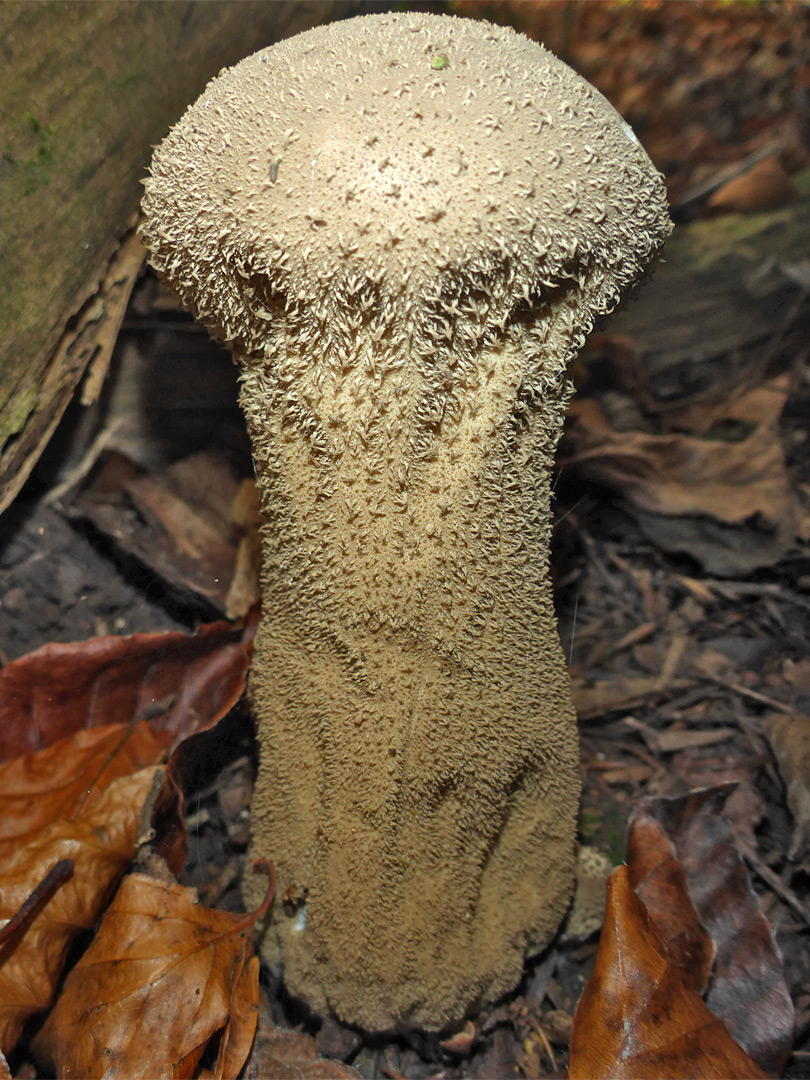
{"points": [[87, 89]]}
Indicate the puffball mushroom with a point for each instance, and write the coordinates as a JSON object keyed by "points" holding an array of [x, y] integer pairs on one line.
{"points": [[404, 225]]}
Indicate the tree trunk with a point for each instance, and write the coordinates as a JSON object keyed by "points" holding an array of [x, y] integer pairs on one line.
{"points": [[87, 89]]}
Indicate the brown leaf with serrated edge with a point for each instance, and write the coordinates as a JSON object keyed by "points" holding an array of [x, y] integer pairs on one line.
{"points": [[154, 987], [101, 843], [660, 881], [748, 990], [177, 682], [51, 784], [637, 1018]]}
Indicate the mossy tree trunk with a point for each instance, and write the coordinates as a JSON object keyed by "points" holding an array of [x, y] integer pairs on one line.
{"points": [[87, 89]]}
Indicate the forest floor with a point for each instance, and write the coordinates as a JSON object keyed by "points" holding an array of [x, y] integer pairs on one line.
{"points": [[681, 553]]}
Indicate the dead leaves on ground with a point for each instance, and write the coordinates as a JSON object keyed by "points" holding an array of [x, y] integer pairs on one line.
{"points": [[714, 485], [58, 782], [100, 844], [681, 917], [80, 790], [638, 1017], [193, 523], [162, 977], [178, 683], [167, 986], [789, 736]]}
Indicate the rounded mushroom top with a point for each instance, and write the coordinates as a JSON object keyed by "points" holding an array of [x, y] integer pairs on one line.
{"points": [[394, 157]]}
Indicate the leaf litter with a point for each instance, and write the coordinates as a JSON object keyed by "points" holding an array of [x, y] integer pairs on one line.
{"points": [[161, 978], [682, 584]]}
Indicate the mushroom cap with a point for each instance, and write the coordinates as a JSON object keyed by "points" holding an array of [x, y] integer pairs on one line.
{"points": [[399, 165]]}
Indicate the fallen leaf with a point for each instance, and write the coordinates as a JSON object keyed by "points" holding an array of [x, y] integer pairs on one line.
{"points": [[101, 843], [660, 882], [637, 1017], [177, 682], [748, 990], [51, 784], [720, 492], [188, 522], [765, 186], [161, 978], [789, 736]]}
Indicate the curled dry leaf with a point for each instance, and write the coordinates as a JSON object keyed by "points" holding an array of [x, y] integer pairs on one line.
{"points": [[178, 683], [51, 784], [725, 501], [100, 841], [162, 977], [660, 882], [637, 1017], [748, 990]]}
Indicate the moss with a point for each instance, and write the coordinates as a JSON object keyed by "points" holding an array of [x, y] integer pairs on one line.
{"points": [[38, 167]]}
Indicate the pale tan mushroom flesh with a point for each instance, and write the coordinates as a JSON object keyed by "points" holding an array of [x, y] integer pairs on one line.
{"points": [[404, 225]]}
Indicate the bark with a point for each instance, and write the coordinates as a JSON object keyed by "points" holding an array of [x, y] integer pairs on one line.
{"points": [[87, 89]]}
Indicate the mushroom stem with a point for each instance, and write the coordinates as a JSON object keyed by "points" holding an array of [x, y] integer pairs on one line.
{"points": [[419, 755]]}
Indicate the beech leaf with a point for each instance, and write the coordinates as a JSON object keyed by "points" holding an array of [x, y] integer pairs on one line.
{"points": [[748, 989], [638, 1019], [100, 842], [660, 881], [179, 683], [52, 784], [162, 977]]}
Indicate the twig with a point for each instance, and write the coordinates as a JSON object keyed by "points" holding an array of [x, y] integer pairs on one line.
{"points": [[58, 874], [743, 691], [773, 881]]}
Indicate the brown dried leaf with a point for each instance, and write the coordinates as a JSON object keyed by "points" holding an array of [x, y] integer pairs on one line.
{"points": [[101, 843], [678, 474], [713, 492], [748, 990], [660, 882], [765, 186], [637, 1017], [178, 683], [51, 784], [789, 736], [189, 522], [161, 978]]}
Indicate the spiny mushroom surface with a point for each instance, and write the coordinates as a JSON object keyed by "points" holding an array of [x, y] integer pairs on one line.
{"points": [[404, 225]]}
